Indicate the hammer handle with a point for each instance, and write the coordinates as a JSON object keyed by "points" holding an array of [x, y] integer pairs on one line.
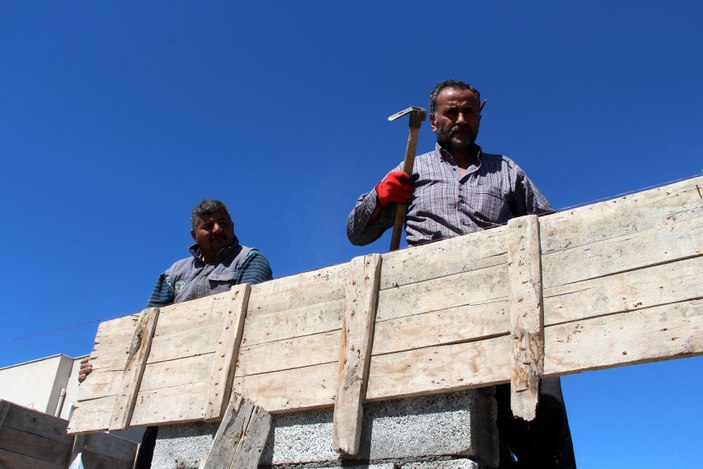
{"points": [[400, 209]]}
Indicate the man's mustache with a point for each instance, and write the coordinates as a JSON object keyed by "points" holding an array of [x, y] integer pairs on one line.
{"points": [[457, 128]]}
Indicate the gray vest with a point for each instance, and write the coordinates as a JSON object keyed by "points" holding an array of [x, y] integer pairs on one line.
{"points": [[192, 278]]}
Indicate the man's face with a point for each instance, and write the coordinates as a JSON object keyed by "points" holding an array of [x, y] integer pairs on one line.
{"points": [[456, 119], [214, 231]]}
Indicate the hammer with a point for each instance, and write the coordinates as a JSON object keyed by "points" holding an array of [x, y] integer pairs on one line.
{"points": [[417, 115]]}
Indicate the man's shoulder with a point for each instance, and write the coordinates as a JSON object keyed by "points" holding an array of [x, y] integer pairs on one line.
{"points": [[498, 159], [186, 262]]}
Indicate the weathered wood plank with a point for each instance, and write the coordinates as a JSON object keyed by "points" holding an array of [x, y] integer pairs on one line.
{"points": [[109, 450], [192, 315], [432, 261], [241, 437], [28, 420], [138, 354], [184, 403], [291, 390], [10, 459], [4, 409], [526, 318], [291, 323], [442, 327], [631, 337], [289, 354], [443, 368], [308, 288], [188, 342], [226, 352], [622, 216], [175, 373], [626, 291], [91, 415], [355, 352], [466, 288], [34, 446], [674, 241]]}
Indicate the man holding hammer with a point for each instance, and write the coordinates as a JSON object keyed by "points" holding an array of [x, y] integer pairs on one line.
{"points": [[455, 190]]}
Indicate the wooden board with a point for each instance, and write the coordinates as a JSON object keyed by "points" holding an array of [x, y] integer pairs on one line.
{"points": [[355, 352], [33, 439], [620, 285]]}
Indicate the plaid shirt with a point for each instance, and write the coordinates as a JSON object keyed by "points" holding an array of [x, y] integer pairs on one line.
{"points": [[446, 204]]}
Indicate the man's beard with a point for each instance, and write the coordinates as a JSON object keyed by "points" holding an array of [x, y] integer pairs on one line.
{"points": [[448, 141]]}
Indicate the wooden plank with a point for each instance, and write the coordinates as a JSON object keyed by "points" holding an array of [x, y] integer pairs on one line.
{"points": [[626, 291], [35, 446], [241, 437], [443, 368], [467, 288], [630, 337], [38, 423], [442, 327], [136, 361], [634, 213], [91, 415], [308, 288], [109, 450], [355, 352], [4, 409], [295, 322], [673, 241], [175, 373], [226, 352], [10, 459], [526, 318], [287, 354], [291, 390], [193, 314], [176, 404], [187, 342], [440, 259]]}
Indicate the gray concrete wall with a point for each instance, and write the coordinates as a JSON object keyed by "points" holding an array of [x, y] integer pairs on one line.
{"points": [[430, 432]]}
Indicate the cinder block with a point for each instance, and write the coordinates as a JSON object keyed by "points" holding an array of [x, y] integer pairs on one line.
{"points": [[452, 464], [455, 424]]}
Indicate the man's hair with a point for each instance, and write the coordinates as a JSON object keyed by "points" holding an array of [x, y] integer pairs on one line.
{"points": [[206, 207], [450, 84]]}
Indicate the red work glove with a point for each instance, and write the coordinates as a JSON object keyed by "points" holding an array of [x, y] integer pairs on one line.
{"points": [[395, 187]]}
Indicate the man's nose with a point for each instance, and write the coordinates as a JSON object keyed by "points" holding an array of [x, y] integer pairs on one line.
{"points": [[460, 118], [216, 228]]}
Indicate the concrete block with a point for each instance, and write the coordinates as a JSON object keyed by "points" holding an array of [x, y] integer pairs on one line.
{"points": [[183, 446], [451, 464], [403, 430]]}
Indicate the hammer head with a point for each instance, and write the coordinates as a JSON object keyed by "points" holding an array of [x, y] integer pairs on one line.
{"points": [[416, 114]]}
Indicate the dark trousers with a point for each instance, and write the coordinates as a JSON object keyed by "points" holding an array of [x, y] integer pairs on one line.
{"points": [[146, 449], [543, 443]]}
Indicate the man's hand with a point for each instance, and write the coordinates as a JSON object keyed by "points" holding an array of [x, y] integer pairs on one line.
{"points": [[85, 369], [395, 188]]}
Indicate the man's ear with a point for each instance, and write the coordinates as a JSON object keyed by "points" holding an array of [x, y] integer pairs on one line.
{"points": [[432, 123], [192, 233]]}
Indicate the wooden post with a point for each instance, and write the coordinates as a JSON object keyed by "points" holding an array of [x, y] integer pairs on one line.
{"points": [[134, 370], [355, 351], [526, 315], [226, 353], [241, 437]]}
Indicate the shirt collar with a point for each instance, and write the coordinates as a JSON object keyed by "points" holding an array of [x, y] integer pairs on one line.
{"points": [[446, 156]]}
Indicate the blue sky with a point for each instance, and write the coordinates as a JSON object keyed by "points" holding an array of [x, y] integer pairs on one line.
{"points": [[116, 118]]}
